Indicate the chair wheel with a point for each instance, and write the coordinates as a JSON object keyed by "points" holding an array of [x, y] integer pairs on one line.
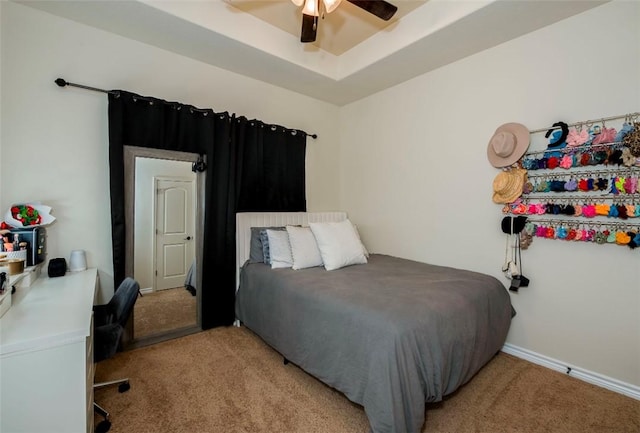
{"points": [[124, 387], [103, 426]]}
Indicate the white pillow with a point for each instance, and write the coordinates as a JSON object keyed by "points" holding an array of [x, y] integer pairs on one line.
{"points": [[339, 244], [279, 249], [364, 249], [303, 248]]}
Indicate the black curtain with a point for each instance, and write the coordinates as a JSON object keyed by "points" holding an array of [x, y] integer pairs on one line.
{"points": [[252, 166]]}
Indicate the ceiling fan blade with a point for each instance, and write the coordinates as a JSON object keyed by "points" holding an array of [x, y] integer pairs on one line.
{"points": [[309, 28], [380, 8]]}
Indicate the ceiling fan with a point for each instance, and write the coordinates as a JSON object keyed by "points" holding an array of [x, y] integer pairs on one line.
{"points": [[311, 11]]}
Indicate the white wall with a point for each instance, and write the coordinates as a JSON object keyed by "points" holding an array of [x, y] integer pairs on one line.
{"points": [[415, 177], [144, 233], [55, 140]]}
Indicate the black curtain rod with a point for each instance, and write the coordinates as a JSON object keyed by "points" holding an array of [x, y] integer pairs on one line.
{"points": [[62, 83]]}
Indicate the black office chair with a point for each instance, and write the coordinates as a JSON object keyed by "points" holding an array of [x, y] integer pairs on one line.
{"points": [[109, 322]]}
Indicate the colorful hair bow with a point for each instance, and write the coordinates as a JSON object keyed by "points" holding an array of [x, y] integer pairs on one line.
{"points": [[584, 159], [566, 161], [607, 135], [571, 185], [626, 128], [622, 238], [589, 211], [630, 210], [589, 235], [602, 209], [622, 212], [561, 233], [577, 210], [575, 138], [580, 234], [582, 185], [627, 157]]}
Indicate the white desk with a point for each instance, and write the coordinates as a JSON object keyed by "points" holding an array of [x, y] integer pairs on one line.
{"points": [[46, 357]]}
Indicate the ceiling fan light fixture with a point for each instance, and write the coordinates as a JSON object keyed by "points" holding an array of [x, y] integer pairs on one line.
{"points": [[331, 5], [311, 8], [311, 11]]}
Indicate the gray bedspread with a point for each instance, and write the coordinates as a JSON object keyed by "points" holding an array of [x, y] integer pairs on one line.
{"points": [[391, 335]]}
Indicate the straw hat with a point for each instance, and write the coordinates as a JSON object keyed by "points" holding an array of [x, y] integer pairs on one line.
{"points": [[508, 144], [507, 186]]}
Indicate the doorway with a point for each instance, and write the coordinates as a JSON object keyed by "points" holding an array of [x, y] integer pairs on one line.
{"points": [[162, 198], [174, 226]]}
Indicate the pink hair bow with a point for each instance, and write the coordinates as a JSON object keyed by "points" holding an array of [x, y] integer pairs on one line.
{"points": [[575, 138], [608, 135]]}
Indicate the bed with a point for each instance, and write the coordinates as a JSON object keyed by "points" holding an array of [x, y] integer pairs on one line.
{"points": [[392, 334], [190, 279]]}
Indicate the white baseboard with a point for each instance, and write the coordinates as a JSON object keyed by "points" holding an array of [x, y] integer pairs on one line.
{"points": [[609, 383], [146, 290]]}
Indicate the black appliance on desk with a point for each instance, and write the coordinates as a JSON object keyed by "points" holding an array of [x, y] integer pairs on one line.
{"points": [[36, 239]]}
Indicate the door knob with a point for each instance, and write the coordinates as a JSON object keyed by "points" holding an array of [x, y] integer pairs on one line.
{"points": [[188, 238]]}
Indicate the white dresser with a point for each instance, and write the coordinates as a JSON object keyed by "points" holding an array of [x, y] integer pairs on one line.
{"points": [[46, 356]]}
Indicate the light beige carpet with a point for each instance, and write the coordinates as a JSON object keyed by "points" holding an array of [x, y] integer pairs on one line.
{"points": [[226, 380], [162, 311]]}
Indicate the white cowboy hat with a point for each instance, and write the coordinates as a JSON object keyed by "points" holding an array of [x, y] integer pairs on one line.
{"points": [[508, 144]]}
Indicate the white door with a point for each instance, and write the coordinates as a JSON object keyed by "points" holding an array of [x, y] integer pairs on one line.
{"points": [[175, 229]]}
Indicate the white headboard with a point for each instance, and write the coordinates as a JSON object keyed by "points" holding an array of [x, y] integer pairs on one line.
{"points": [[246, 220]]}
